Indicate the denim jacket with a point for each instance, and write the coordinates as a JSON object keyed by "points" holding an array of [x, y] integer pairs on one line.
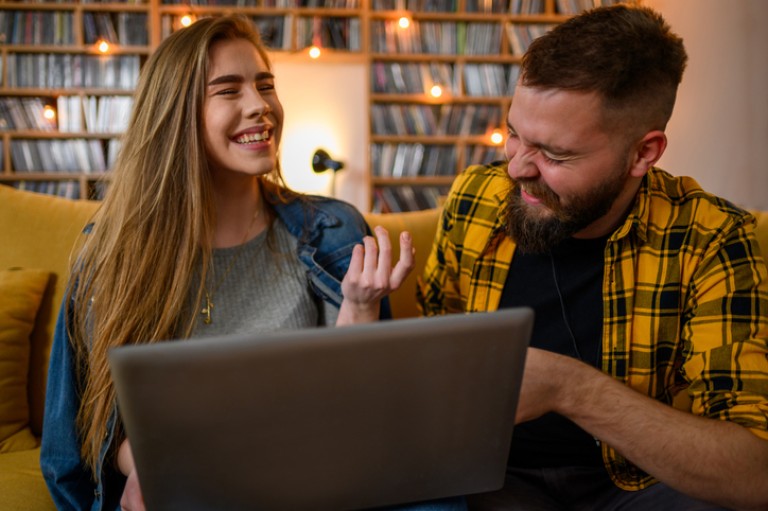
{"points": [[326, 230]]}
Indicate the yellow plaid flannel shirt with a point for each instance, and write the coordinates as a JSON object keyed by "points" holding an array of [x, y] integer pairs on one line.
{"points": [[685, 295]]}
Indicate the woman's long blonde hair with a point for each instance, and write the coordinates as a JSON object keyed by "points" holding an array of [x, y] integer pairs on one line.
{"points": [[155, 226]]}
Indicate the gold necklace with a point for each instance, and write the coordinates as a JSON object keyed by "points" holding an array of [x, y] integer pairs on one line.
{"points": [[207, 311]]}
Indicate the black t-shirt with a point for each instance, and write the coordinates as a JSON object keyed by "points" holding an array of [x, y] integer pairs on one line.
{"points": [[564, 288]]}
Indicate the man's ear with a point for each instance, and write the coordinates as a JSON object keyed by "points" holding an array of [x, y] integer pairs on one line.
{"points": [[647, 152]]}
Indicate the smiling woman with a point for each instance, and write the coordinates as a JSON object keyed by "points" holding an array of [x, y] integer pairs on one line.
{"points": [[197, 236]]}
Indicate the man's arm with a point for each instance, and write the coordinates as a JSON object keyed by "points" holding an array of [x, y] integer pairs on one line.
{"points": [[713, 460]]}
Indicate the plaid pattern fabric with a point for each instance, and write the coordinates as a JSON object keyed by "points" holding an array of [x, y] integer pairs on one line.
{"points": [[685, 309]]}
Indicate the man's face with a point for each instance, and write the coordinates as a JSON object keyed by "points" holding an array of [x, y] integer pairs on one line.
{"points": [[572, 177]]}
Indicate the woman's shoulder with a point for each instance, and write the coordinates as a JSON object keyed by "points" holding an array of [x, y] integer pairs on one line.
{"points": [[315, 212]]}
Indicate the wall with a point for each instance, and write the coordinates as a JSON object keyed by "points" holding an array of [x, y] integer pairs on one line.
{"points": [[326, 105], [718, 133]]}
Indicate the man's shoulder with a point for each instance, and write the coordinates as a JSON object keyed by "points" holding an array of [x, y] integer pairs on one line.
{"points": [[484, 179], [481, 184], [682, 198]]}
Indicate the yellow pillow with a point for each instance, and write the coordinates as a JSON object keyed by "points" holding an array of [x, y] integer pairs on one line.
{"points": [[20, 293]]}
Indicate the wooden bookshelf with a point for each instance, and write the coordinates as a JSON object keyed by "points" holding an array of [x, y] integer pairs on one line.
{"points": [[471, 49], [49, 58]]}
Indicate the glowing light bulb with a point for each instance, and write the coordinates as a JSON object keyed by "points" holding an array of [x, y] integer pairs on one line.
{"points": [[404, 22], [496, 137], [436, 91], [314, 52], [186, 20], [49, 113], [102, 46]]}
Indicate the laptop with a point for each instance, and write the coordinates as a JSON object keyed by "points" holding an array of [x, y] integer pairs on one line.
{"points": [[340, 418]]}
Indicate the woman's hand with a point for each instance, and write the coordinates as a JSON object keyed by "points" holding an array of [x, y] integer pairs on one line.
{"points": [[370, 276], [132, 499]]}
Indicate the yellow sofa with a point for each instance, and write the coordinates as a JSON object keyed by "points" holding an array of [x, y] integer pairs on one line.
{"points": [[37, 232]]}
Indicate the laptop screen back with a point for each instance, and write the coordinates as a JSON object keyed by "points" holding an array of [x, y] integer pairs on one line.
{"points": [[327, 418]]}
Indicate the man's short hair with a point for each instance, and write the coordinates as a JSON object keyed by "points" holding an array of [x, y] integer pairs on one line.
{"points": [[627, 54]]}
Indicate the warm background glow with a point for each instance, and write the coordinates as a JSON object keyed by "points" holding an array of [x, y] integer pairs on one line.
{"points": [[324, 113]]}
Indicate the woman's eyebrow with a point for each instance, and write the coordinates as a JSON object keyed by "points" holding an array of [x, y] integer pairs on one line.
{"points": [[234, 78]]}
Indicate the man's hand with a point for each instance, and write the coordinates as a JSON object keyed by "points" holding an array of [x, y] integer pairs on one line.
{"points": [[370, 276]]}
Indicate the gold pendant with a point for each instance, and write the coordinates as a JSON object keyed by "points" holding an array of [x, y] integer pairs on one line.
{"points": [[207, 310]]}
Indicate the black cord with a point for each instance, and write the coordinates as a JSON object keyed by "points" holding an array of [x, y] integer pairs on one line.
{"points": [[562, 309]]}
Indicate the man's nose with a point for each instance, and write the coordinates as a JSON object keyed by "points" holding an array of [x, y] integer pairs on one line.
{"points": [[521, 163]]}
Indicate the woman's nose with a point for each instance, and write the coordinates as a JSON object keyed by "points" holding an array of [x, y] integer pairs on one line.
{"points": [[256, 105]]}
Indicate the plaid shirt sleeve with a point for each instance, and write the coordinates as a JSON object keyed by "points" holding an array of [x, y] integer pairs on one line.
{"points": [[686, 309], [464, 271]]}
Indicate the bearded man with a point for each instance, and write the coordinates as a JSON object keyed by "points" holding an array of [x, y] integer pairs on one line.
{"points": [[646, 383]]}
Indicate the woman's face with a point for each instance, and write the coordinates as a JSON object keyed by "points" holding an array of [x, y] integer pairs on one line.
{"points": [[242, 116]]}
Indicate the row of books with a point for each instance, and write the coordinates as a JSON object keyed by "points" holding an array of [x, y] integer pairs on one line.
{"points": [[413, 78], [37, 27], [479, 80], [58, 155], [94, 114], [340, 33], [436, 37], [22, 113], [415, 5], [413, 160], [281, 4], [521, 35], [576, 6], [391, 199], [482, 6], [337, 32], [73, 114], [392, 160], [125, 28], [482, 80], [276, 31], [431, 120], [65, 70]]}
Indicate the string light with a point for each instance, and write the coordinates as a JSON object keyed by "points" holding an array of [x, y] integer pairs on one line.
{"points": [[404, 22], [497, 137], [102, 46], [49, 112], [314, 52], [436, 91], [186, 20]]}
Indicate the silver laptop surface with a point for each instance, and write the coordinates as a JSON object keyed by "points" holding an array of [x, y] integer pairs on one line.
{"points": [[328, 418]]}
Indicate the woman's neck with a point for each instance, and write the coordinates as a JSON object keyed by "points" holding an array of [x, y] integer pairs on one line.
{"points": [[240, 215]]}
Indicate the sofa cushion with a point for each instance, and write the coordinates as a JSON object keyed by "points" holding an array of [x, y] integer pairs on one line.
{"points": [[422, 226], [22, 487], [21, 291], [44, 230]]}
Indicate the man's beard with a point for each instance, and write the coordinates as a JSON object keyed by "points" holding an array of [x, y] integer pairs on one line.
{"points": [[538, 234]]}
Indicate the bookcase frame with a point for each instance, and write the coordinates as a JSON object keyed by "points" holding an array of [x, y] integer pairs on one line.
{"points": [[364, 13]]}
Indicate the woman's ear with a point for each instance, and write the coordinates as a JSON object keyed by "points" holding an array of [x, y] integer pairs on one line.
{"points": [[647, 152]]}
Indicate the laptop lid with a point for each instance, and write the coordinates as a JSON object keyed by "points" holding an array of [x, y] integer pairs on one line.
{"points": [[326, 418]]}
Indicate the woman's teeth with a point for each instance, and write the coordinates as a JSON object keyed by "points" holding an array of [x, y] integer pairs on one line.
{"points": [[252, 137]]}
